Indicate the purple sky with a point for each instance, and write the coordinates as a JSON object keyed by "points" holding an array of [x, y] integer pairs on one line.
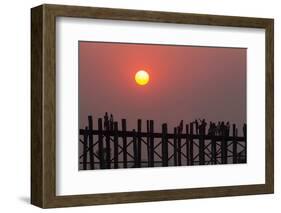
{"points": [[186, 83]]}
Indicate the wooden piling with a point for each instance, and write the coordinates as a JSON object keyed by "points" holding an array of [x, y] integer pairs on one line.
{"points": [[175, 146], [179, 146], [164, 145], [234, 144], [187, 146], [135, 149], [124, 129], [100, 144], [191, 158], [148, 141], [151, 144], [202, 149], [139, 144], [116, 151], [107, 144], [245, 139], [85, 147], [213, 150], [223, 149], [91, 143]]}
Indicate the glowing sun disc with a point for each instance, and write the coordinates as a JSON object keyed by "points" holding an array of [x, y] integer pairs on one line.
{"points": [[142, 77]]}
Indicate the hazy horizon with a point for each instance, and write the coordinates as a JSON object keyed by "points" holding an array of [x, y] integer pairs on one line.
{"points": [[186, 83]]}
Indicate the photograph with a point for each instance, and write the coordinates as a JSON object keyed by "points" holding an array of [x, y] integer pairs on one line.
{"points": [[161, 105], [141, 105]]}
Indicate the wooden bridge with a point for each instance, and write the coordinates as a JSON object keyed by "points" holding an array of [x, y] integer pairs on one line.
{"points": [[112, 147]]}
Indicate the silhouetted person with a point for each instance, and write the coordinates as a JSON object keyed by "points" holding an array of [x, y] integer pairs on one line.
{"points": [[218, 129], [244, 130], [196, 127], [202, 127], [181, 126], [111, 122], [212, 129], [223, 128], [106, 121], [227, 128]]}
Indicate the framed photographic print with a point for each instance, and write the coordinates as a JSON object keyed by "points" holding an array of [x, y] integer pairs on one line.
{"points": [[136, 106]]}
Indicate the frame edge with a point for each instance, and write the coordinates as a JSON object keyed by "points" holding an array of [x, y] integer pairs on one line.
{"points": [[269, 34], [37, 188]]}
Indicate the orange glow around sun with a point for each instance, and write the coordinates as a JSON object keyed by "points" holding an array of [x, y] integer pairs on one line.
{"points": [[142, 77]]}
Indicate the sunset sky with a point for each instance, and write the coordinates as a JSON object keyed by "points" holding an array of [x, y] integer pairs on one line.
{"points": [[186, 83]]}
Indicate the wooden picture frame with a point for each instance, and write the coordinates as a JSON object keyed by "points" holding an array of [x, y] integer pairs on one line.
{"points": [[43, 105]]}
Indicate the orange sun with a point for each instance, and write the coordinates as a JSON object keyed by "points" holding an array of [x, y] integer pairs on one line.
{"points": [[142, 77]]}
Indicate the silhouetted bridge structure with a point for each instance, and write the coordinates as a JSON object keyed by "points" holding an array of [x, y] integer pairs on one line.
{"points": [[112, 147]]}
